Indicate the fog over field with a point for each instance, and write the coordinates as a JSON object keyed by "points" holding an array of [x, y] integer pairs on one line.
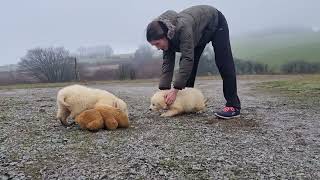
{"points": [[121, 24]]}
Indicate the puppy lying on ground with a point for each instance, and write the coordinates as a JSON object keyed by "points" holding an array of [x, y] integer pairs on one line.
{"points": [[187, 100], [74, 99], [102, 117]]}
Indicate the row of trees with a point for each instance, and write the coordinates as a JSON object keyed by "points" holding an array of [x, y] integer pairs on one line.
{"points": [[57, 65], [207, 65], [300, 66]]}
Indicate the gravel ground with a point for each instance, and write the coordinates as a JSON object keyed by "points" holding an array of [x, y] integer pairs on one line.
{"points": [[276, 138]]}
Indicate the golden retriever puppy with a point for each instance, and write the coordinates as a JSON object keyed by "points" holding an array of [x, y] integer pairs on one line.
{"points": [[90, 119], [74, 99], [187, 100], [102, 117]]}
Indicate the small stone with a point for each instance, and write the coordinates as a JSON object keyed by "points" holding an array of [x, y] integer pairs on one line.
{"points": [[4, 177], [13, 163], [179, 158], [221, 158], [300, 174], [2, 156], [197, 167], [131, 176], [104, 176], [161, 172], [132, 171], [26, 157], [272, 174], [29, 162]]}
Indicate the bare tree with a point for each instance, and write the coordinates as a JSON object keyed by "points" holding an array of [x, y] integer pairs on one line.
{"points": [[126, 71], [49, 64]]}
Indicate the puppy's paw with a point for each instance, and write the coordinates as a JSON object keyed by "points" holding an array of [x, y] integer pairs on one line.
{"points": [[171, 113], [167, 114], [163, 115]]}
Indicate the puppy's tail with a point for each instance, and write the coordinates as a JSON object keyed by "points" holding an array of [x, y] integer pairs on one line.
{"points": [[63, 109], [62, 99]]}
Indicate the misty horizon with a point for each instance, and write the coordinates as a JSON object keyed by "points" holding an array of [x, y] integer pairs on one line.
{"points": [[121, 24]]}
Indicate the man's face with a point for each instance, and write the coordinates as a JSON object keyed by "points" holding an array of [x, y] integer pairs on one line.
{"points": [[162, 43]]}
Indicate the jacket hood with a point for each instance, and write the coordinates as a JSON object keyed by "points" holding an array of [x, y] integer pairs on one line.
{"points": [[169, 18]]}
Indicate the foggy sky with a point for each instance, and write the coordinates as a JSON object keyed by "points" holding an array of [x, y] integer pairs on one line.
{"points": [[121, 23]]}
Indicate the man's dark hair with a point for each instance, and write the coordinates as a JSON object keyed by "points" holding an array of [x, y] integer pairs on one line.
{"points": [[156, 30]]}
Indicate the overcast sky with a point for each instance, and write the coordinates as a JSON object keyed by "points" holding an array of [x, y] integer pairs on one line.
{"points": [[27, 24]]}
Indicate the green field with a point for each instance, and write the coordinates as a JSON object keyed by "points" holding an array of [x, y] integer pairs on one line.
{"points": [[299, 85], [277, 49]]}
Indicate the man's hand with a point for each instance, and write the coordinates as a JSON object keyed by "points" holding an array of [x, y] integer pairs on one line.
{"points": [[171, 95]]}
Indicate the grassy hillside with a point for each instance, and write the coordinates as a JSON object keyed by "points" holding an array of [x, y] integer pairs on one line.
{"points": [[278, 48]]}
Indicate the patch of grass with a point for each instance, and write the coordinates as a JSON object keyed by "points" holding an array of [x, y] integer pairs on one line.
{"points": [[305, 85]]}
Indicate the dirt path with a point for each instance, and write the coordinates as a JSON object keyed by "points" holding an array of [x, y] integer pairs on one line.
{"points": [[276, 137]]}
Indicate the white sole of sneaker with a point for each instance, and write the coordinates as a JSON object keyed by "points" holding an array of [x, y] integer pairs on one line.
{"points": [[223, 117]]}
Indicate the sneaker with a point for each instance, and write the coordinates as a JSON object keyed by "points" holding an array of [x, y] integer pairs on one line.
{"points": [[228, 113]]}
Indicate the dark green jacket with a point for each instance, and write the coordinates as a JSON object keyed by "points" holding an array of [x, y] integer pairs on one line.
{"points": [[188, 29]]}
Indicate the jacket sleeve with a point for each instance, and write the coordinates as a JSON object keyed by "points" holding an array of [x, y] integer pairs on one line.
{"points": [[187, 58], [167, 69]]}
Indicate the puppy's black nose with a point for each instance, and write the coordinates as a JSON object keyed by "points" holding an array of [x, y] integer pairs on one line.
{"points": [[150, 109]]}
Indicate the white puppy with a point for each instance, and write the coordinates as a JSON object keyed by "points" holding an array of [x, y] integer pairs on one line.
{"points": [[187, 100], [74, 99]]}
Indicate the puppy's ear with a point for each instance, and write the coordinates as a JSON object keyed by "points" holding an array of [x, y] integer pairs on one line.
{"points": [[115, 104], [65, 103], [164, 105]]}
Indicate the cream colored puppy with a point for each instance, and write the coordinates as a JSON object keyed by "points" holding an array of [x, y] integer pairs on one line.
{"points": [[74, 99], [187, 100]]}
